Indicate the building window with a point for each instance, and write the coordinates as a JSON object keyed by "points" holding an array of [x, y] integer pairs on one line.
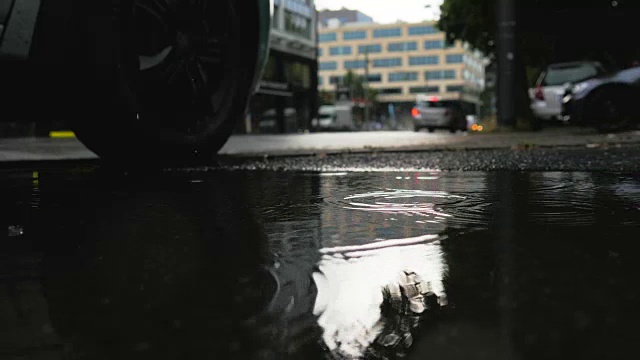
{"points": [[354, 35], [440, 74], [433, 44], [454, 88], [369, 49], [383, 33], [403, 46], [297, 24], [328, 65], [433, 75], [387, 62], [374, 78], [298, 74], [403, 76], [355, 64], [390, 91], [454, 59], [449, 74], [424, 60], [320, 52], [320, 81], [422, 30], [328, 37], [335, 80], [340, 50], [424, 90]]}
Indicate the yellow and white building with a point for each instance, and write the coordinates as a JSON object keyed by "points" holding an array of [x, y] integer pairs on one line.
{"points": [[402, 60]]}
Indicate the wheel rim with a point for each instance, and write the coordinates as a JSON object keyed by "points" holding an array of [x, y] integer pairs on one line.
{"points": [[181, 61]]}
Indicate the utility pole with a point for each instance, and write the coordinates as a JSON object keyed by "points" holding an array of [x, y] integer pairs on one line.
{"points": [[507, 56]]}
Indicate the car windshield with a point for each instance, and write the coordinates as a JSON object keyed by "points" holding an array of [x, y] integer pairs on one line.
{"points": [[561, 75]]}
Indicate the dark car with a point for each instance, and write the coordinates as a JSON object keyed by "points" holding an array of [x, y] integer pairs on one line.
{"points": [[609, 102], [138, 80]]}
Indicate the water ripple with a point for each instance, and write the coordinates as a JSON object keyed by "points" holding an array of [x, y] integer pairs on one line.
{"points": [[432, 207]]}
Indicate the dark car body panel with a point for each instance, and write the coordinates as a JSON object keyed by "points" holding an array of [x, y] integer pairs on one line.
{"points": [[578, 95]]}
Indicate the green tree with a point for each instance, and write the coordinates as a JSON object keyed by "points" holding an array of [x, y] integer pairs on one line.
{"points": [[358, 89], [549, 31], [326, 97], [474, 22]]}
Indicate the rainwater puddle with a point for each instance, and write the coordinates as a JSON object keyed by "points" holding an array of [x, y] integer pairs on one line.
{"points": [[273, 265]]}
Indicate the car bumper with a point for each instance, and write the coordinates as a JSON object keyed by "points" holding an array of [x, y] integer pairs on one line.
{"points": [[542, 111], [434, 123]]}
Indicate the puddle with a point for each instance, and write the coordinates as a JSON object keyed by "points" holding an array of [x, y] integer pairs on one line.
{"points": [[334, 265]]}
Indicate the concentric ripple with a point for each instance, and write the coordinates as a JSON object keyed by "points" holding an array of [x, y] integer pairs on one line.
{"points": [[422, 206]]}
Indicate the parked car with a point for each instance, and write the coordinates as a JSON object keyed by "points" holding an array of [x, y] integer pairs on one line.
{"points": [[433, 113], [139, 81], [546, 97], [608, 102]]}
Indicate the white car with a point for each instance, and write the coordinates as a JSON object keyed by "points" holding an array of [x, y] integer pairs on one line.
{"points": [[546, 97]]}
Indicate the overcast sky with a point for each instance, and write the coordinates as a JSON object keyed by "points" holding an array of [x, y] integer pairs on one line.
{"points": [[387, 11]]}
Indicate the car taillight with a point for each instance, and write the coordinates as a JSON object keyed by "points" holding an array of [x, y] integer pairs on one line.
{"points": [[539, 93], [415, 112]]}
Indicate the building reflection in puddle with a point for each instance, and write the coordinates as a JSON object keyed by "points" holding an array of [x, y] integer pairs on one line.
{"points": [[382, 265], [354, 285], [268, 264]]}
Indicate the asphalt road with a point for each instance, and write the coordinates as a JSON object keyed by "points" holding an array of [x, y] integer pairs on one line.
{"points": [[596, 157], [251, 146], [304, 144]]}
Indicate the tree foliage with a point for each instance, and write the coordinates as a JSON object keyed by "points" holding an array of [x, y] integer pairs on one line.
{"points": [[551, 30], [358, 88]]}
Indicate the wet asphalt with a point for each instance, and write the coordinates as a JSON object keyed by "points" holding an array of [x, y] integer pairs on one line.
{"points": [[592, 158], [526, 252], [96, 264]]}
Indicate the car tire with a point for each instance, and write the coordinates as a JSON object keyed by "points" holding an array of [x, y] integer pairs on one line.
{"points": [[612, 109], [417, 128], [430, 129], [453, 130], [164, 84]]}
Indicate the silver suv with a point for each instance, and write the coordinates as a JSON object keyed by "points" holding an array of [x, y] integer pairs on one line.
{"points": [[439, 114], [546, 97]]}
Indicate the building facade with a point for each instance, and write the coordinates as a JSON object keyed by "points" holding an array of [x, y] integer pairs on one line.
{"points": [[342, 16], [286, 99], [401, 61]]}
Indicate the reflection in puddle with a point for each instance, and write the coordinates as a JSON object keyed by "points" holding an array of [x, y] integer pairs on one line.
{"points": [[358, 280], [342, 265], [352, 283]]}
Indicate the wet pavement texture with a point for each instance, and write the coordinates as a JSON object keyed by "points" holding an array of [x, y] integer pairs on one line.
{"points": [[595, 157], [243, 146], [272, 265]]}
